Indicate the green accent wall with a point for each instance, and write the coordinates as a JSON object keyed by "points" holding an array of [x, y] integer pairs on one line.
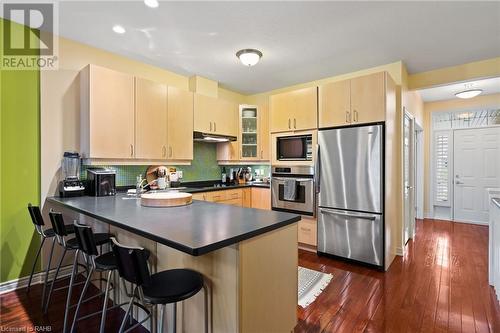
{"points": [[19, 167]]}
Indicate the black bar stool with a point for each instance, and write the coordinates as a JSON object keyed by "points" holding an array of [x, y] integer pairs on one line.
{"points": [[166, 287], [46, 233]]}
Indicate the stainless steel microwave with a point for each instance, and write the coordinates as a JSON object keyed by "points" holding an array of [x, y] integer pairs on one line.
{"points": [[294, 148]]}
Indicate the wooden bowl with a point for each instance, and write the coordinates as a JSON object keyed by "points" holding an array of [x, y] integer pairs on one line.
{"points": [[166, 199]]}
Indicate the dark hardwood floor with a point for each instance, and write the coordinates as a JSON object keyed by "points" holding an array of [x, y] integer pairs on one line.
{"points": [[441, 285]]}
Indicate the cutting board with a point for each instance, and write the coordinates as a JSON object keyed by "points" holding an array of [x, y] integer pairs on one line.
{"points": [[166, 199]]}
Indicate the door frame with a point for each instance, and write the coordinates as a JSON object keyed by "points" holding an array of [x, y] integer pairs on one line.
{"points": [[411, 169], [419, 172]]}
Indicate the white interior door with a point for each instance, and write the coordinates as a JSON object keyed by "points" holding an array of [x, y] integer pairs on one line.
{"points": [[476, 167]]}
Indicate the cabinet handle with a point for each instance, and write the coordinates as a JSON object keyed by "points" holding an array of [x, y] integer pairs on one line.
{"points": [[305, 229], [210, 126], [294, 123], [261, 154], [241, 154], [355, 116], [347, 117], [131, 150], [170, 151], [163, 151], [289, 126], [215, 126]]}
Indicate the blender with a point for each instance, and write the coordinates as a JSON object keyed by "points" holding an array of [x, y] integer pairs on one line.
{"points": [[71, 185]]}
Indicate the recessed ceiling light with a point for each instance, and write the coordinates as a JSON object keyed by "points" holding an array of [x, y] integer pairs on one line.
{"points": [[469, 93], [119, 29], [151, 3], [249, 57]]}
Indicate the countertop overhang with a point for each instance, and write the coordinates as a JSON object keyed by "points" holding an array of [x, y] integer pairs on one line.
{"points": [[196, 229]]}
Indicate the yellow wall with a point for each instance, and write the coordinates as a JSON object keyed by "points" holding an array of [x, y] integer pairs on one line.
{"points": [[466, 72], [486, 101], [60, 101]]}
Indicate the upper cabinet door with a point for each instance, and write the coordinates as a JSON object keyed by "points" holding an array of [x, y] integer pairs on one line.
{"points": [[180, 124], [282, 108], [150, 119], [225, 118], [368, 98], [334, 104], [294, 110], [204, 109], [107, 113], [305, 115]]}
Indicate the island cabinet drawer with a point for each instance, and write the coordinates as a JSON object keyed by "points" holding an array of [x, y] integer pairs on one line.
{"points": [[216, 196], [233, 194], [234, 202], [307, 231]]}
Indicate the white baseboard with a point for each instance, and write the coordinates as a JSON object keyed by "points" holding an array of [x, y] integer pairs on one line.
{"points": [[399, 251], [39, 277]]}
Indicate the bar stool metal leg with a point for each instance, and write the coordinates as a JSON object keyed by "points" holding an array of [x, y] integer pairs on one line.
{"points": [[34, 264], [54, 279], [85, 287], [162, 317], [205, 295], [106, 294], [47, 272], [174, 321], [71, 281], [129, 307]]}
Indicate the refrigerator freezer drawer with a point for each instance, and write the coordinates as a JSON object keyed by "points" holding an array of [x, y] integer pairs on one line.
{"points": [[352, 235]]}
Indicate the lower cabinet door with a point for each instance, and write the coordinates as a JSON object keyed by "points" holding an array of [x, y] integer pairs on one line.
{"points": [[307, 231], [352, 235]]}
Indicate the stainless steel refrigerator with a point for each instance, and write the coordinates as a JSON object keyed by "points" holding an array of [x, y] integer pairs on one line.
{"points": [[350, 187]]}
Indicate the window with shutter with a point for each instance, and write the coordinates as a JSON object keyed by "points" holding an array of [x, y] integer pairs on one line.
{"points": [[442, 181]]}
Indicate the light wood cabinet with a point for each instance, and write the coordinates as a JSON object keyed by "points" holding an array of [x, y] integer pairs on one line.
{"points": [[334, 103], [368, 98], [246, 197], [294, 110], [261, 198], [264, 134], [150, 119], [253, 137], [358, 100], [107, 114], [251, 197], [307, 231], [212, 115], [180, 124]]}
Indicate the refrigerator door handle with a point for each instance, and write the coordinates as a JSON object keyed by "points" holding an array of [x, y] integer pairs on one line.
{"points": [[317, 170], [359, 216]]}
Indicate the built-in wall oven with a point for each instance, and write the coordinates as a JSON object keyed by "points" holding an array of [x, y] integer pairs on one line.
{"points": [[292, 189]]}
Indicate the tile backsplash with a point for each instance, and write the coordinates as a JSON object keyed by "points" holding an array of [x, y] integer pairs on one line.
{"points": [[203, 167]]}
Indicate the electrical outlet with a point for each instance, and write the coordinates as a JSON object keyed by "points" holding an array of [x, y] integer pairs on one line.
{"points": [[179, 173]]}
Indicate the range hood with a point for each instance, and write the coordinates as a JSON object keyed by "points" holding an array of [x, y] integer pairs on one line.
{"points": [[209, 137]]}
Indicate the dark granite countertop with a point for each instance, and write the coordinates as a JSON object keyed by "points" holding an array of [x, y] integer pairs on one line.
{"points": [[195, 229], [223, 187]]}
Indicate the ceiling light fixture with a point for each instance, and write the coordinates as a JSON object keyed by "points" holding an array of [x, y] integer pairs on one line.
{"points": [[249, 57], [469, 93], [119, 29], [152, 3]]}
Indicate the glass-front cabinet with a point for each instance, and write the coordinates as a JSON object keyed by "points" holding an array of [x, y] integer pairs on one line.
{"points": [[249, 132]]}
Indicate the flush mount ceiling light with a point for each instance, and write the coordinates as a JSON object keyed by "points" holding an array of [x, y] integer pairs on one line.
{"points": [[468, 93], [119, 29], [152, 3], [249, 57]]}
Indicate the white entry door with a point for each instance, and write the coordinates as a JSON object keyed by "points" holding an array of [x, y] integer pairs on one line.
{"points": [[476, 167]]}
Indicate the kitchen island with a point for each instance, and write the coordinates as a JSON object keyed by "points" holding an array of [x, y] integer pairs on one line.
{"points": [[248, 256]]}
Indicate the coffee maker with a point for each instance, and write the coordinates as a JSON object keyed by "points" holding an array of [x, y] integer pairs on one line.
{"points": [[71, 185]]}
